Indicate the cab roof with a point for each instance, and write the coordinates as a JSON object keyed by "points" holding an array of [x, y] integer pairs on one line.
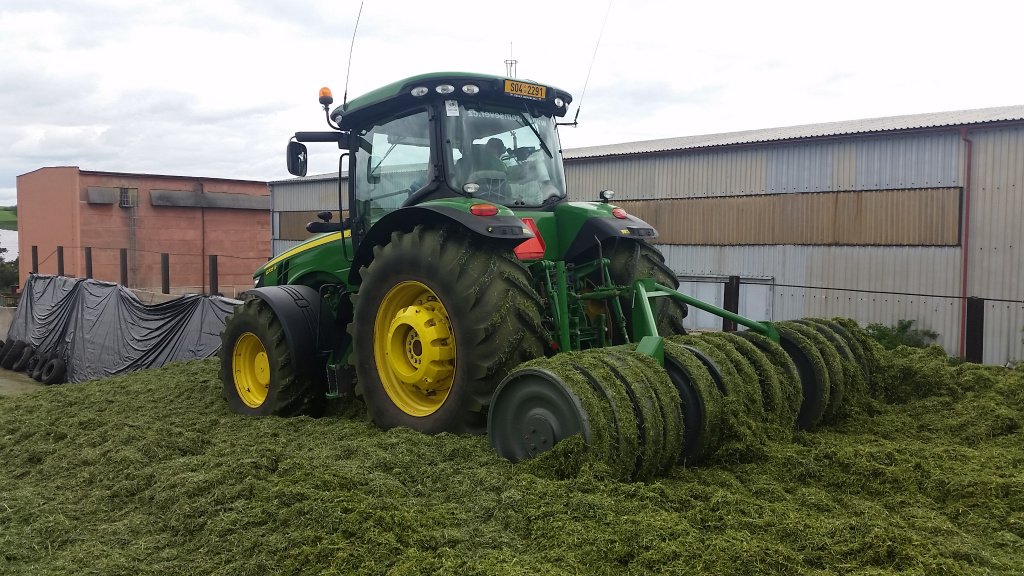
{"points": [[399, 94]]}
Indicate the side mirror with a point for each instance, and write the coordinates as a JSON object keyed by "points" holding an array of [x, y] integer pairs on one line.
{"points": [[297, 158]]}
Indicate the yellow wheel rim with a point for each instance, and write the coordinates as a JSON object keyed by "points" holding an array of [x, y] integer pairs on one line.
{"points": [[251, 368], [414, 348]]}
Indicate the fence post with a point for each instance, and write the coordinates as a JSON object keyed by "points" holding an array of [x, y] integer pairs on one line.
{"points": [[165, 272], [974, 347], [124, 267], [731, 302], [60, 260], [35, 259], [214, 283], [88, 262]]}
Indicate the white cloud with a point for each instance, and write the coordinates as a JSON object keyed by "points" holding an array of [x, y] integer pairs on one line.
{"points": [[216, 88]]}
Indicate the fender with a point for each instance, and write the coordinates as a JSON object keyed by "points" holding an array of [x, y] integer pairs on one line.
{"points": [[504, 229], [600, 229], [308, 335]]}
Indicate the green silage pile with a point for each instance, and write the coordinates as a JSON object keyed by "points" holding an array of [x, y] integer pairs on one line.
{"points": [[150, 474]]}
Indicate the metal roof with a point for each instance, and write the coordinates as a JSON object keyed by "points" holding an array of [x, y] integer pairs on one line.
{"points": [[827, 129], [310, 178]]}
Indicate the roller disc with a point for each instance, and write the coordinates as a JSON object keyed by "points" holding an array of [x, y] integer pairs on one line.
{"points": [[768, 377], [656, 380], [814, 381], [624, 449], [650, 424], [853, 343], [747, 387], [712, 367], [870, 347], [790, 386], [701, 401], [833, 363], [854, 388], [531, 411]]}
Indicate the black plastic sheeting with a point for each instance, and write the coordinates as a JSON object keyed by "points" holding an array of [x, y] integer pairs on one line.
{"points": [[101, 329]]}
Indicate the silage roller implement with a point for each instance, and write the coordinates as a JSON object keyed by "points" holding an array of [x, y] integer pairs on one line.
{"points": [[646, 406]]}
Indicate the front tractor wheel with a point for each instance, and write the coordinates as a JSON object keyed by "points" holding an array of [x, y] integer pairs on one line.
{"points": [[440, 318], [256, 368]]}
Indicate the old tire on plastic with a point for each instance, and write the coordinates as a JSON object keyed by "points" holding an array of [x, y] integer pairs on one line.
{"points": [[38, 359], [53, 372], [13, 354], [37, 372], [633, 260], [440, 319], [5, 348], [26, 356], [257, 371]]}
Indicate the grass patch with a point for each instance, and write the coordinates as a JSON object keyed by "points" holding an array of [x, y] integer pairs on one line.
{"points": [[150, 474], [8, 219]]}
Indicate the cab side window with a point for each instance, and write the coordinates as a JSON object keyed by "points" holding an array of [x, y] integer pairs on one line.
{"points": [[391, 162]]}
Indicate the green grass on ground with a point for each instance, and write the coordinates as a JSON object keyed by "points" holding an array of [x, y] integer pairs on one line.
{"points": [[8, 220], [150, 474]]}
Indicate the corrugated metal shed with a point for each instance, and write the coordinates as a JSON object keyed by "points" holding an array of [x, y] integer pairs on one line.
{"points": [[310, 193], [842, 128], [883, 162]]}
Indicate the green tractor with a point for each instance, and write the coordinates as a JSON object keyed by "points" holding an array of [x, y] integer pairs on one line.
{"points": [[459, 269]]}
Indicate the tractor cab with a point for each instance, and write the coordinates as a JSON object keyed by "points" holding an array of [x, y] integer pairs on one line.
{"points": [[447, 135]]}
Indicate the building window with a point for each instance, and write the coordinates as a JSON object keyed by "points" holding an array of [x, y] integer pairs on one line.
{"points": [[129, 198]]}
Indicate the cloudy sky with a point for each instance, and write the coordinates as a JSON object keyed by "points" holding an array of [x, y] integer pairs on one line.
{"points": [[216, 87]]}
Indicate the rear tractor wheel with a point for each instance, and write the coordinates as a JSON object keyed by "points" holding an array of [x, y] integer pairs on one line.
{"points": [[440, 318], [633, 260], [256, 368]]}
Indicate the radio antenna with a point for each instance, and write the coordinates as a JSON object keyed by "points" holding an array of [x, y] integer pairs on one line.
{"points": [[348, 70], [510, 64], [579, 103]]}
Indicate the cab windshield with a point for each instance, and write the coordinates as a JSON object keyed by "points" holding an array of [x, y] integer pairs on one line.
{"points": [[505, 155]]}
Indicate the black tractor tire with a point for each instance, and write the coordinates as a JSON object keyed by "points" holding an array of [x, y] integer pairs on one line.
{"points": [[487, 305], [26, 356], [267, 386], [633, 260], [13, 354], [53, 372]]}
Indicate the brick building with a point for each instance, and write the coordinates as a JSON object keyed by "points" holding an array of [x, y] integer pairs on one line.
{"points": [[66, 215]]}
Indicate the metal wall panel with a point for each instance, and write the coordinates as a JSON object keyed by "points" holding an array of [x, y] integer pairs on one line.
{"points": [[996, 244], [305, 195], [868, 284], [281, 246], [800, 168], [930, 160], [682, 175], [924, 160], [923, 217], [1004, 339], [292, 225]]}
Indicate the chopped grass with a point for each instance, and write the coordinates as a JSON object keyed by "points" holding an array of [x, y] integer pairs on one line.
{"points": [[150, 474]]}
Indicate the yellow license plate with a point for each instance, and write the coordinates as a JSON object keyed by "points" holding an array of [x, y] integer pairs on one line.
{"points": [[525, 90]]}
